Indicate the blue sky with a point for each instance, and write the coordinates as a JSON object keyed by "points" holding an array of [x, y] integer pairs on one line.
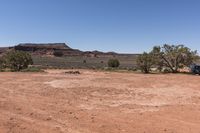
{"points": [[127, 26]]}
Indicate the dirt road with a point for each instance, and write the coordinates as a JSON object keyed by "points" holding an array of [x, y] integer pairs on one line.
{"points": [[99, 102]]}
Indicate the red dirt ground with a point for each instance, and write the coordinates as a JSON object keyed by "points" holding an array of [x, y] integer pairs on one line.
{"points": [[99, 102]]}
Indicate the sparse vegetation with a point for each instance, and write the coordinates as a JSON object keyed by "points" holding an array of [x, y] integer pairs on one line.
{"points": [[128, 61], [145, 62], [16, 60], [167, 57], [32, 69], [114, 63], [2, 64], [112, 69], [174, 57]]}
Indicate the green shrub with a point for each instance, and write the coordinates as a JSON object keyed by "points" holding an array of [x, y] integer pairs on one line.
{"points": [[114, 63], [173, 57], [144, 62], [17, 60], [2, 64]]}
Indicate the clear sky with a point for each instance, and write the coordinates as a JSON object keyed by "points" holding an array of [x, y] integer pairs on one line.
{"points": [[127, 26]]}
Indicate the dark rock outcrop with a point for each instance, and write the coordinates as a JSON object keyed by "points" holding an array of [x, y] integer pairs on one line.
{"points": [[39, 46], [47, 48]]}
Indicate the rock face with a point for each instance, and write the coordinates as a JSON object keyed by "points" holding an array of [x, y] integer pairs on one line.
{"points": [[47, 48], [50, 48], [34, 46]]}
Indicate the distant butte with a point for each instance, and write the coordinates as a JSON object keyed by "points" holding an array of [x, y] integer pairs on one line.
{"points": [[50, 48]]}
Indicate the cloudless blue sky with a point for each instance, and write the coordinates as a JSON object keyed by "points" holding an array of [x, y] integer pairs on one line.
{"points": [[127, 26]]}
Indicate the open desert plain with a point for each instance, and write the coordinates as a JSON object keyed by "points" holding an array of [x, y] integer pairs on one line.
{"points": [[99, 102]]}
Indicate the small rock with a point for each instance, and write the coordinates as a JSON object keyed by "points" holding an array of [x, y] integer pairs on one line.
{"points": [[11, 118], [31, 113], [49, 118]]}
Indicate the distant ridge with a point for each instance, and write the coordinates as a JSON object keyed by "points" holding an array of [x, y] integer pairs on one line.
{"points": [[45, 45], [48, 49]]}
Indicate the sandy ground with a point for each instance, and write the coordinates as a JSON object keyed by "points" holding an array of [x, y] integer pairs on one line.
{"points": [[99, 102]]}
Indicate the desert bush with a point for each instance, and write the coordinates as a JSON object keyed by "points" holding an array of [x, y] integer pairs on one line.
{"points": [[145, 62], [17, 60], [170, 57], [2, 64], [84, 61], [173, 57], [114, 63], [58, 53]]}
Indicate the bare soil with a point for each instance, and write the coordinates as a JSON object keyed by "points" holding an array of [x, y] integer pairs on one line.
{"points": [[99, 102]]}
